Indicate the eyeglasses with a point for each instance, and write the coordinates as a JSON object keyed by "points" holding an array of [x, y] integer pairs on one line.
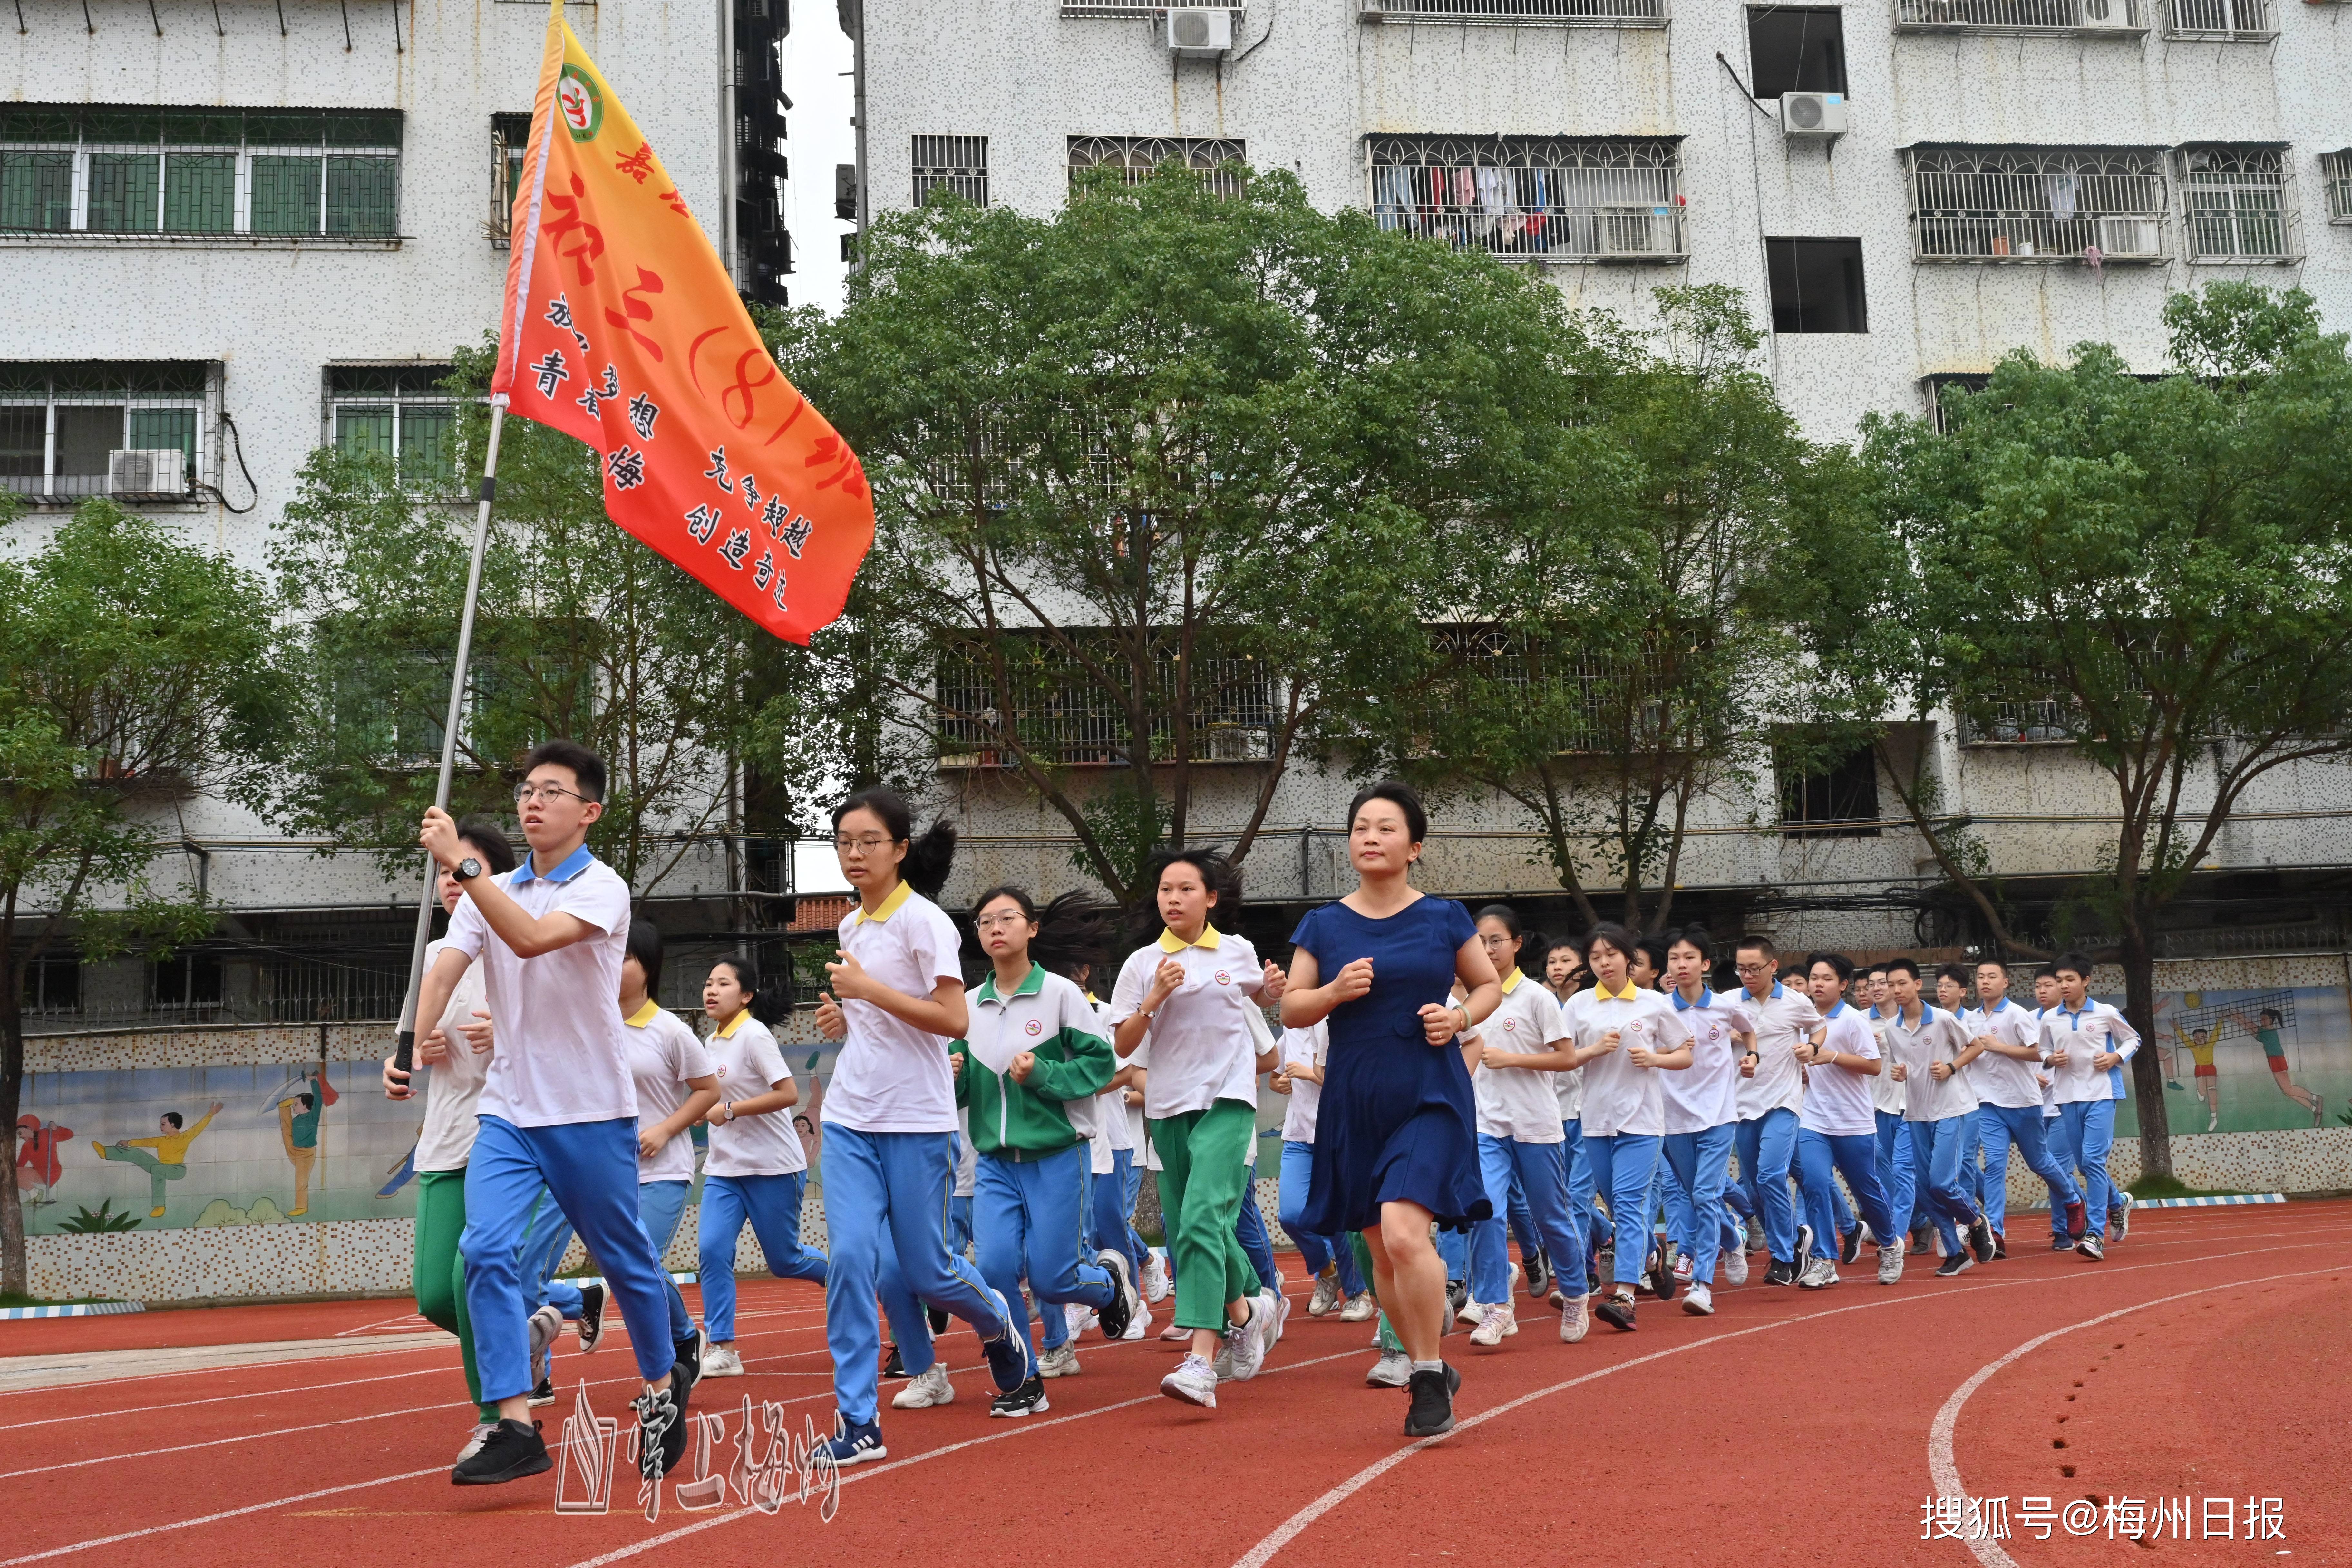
{"points": [[526, 792], [1753, 968], [990, 922], [845, 845]]}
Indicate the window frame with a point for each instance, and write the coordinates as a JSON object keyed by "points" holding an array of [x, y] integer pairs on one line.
{"points": [[204, 403], [1861, 288], [1755, 14], [2194, 219], [2047, 18], [2021, 235], [2250, 21], [1521, 13], [1582, 164], [506, 156], [2336, 181], [958, 176], [1204, 156], [399, 400], [1800, 790]]}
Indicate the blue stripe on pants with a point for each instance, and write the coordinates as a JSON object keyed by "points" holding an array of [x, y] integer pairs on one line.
{"points": [[1825, 1157], [1622, 1166], [2091, 1135], [1024, 1217], [1935, 1149], [1541, 1171], [1701, 1163], [659, 1206], [1768, 1144], [591, 1170], [773, 1205], [886, 1196], [2001, 1127], [1317, 1252]]}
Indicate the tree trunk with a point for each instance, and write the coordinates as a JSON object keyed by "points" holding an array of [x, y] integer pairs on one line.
{"points": [[2148, 1068]]}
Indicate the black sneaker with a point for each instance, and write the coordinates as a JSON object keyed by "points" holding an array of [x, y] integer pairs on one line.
{"points": [[2090, 1247], [1115, 1316], [939, 1320], [1781, 1272], [1029, 1399], [661, 1431], [591, 1317], [1980, 1239], [1851, 1251], [686, 1370], [543, 1392], [1956, 1263], [1804, 1250], [895, 1365], [1617, 1312], [513, 1449], [1663, 1281], [1433, 1404]]}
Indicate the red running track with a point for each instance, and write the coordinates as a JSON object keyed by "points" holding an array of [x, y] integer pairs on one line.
{"points": [[2205, 1359]]}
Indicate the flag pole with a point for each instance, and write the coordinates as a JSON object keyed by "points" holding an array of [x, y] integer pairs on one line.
{"points": [[404, 1057]]}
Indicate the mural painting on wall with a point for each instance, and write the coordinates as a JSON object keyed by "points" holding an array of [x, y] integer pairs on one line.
{"points": [[2254, 1060], [172, 1148]]}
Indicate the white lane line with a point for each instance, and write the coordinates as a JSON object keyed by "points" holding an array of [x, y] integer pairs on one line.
{"points": [[221, 1398], [1290, 1528], [216, 1517], [1945, 1471]]}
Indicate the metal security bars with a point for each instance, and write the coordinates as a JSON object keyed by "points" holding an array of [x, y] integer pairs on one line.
{"points": [[509, 136], [1523, 13], [2335, 174], [1530, 198], [2234, 205], [1062, 718], [199, 175], [958, 165], [400, 412], [66, 430], [2121, 19], [2036, 204], [2247, 20], [1222, 163]]}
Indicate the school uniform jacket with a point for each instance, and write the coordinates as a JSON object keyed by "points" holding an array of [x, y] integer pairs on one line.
{"points": [[1055, 1109]]}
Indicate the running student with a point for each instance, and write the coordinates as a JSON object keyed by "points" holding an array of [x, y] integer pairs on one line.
{"points": [[1702, 1116], [1624, 1036], [454, 1047], [1952, 996], [1930, 1050], [1396, 1136], [2087, 1044], [1521, 1043], [557, 1108], [1895, 1173], [2010, 1111], [1772, 1088], [676, 1084], [1110, 1183], [1185, 996], [1029, 1070], [889, 1150], [758, 1171], [1339, 1284], [1837, 1133], [1564, 975]]}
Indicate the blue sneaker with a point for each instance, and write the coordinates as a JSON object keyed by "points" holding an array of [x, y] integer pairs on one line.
{"points": [[854, 1443], [1009, 1361]]}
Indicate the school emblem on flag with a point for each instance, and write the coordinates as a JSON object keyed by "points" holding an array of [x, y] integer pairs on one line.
{"points": [[621, 328]]}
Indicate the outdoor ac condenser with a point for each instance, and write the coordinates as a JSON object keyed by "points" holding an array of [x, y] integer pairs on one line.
{"points": [[1813, 114], [146, 471], [1202, 34]]}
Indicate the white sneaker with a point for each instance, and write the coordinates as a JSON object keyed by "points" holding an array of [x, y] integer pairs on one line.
{"points": [[1470, 1313], [1681, 1269], [475, 1439], [1139, 1326], [720, 1361], [1393, 1370], [1361, 1308], [1890, 1262], [929, 1387], [1155, 1278], [1281, 1307], [1193, 1383], [1574, 1321], [1079, 1317], [1494, 1322], [1820, 1274], [1700, 1301], [1059, 1362], [1252, 1341], [1734, 1265], [1325, 1299]]}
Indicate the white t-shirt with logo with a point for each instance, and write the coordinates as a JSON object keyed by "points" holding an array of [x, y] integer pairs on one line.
{"points": [[1706, 1093], [453, 1089], [892, 1076], [1113, 1131], [1783, 1015], [2005, 1081], [2097, 1027], [1568, 1087], [1521, 1103], [1619, 1096], [745, 1058], [1312, 1047], [1886, 1094], [1837, 1102], [1937, 1037], [663, 1054], [1202, 1048]]}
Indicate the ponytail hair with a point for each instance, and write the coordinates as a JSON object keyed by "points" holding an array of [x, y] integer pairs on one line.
{"points": [[645, 945], [747, 975], [1074, 931], [929, 857], [1221, 876]]}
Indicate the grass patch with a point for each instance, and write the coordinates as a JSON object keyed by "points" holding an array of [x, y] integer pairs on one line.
{"points": [[18, 1298], [2173, 1187]]}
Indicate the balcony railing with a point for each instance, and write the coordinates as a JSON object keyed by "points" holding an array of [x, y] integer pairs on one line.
{"points": [[1522, 13], [1061, 720], [2053, 205], [2120, 18], [2245, 20], [1533, 198]]}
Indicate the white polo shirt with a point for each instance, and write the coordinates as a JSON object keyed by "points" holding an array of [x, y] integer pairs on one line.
{"points": [[1783, 1015], [453, 1089], [1707, 1094], [663, 1054], [2001, 1080], [1520, 1104], [1619, 1096], [1886, 1094], [1837, 1102], [1202, 1047], [1568, 1087], [2097, 1027], [892, 1076], [1113, 1131], [1937, 1037], [560, 1057], [747, 1061], [1312, 1047]]}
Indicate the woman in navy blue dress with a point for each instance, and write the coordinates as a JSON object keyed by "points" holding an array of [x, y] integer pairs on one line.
{"points": [[1396, 1142]]}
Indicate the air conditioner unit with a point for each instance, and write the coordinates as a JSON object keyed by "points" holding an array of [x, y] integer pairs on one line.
{"points": [[1813, 114], [1200, 33], [2107, 17], [1633, 234], [2125, 238], [147, 472]]}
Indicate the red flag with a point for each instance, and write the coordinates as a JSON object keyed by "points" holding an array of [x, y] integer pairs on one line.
{"points": [[621, 328]]}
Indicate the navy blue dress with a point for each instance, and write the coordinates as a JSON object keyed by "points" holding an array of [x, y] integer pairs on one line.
{"points": [[1398, 1121]]}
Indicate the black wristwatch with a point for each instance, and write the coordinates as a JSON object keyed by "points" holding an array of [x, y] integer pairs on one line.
{"points": [[467, 870]]}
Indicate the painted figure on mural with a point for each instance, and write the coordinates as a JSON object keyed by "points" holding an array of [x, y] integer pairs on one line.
{"points": [[163, 1157], [298, 1130], [39, 1145], [2266, 1035]]}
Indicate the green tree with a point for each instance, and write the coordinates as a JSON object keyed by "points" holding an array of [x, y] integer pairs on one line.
{"points": [[2160, 567], [582, 632], [133, 666], [1170, 478]]}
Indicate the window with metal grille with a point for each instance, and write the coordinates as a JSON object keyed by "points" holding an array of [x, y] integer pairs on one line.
{"points": [[509, 135], [958, 165], [2036, 204], [2248, 20], [327, 174], [1062, 718], [2336, 173], [2121, 19], [399, 412], [1220, 162], [67, 431], [1548, 199], [1523, 13], [1596, 704], [2234, 205]]}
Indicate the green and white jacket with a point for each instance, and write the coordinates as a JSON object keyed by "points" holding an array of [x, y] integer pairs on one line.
{"points": [[1056, 1108]]}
